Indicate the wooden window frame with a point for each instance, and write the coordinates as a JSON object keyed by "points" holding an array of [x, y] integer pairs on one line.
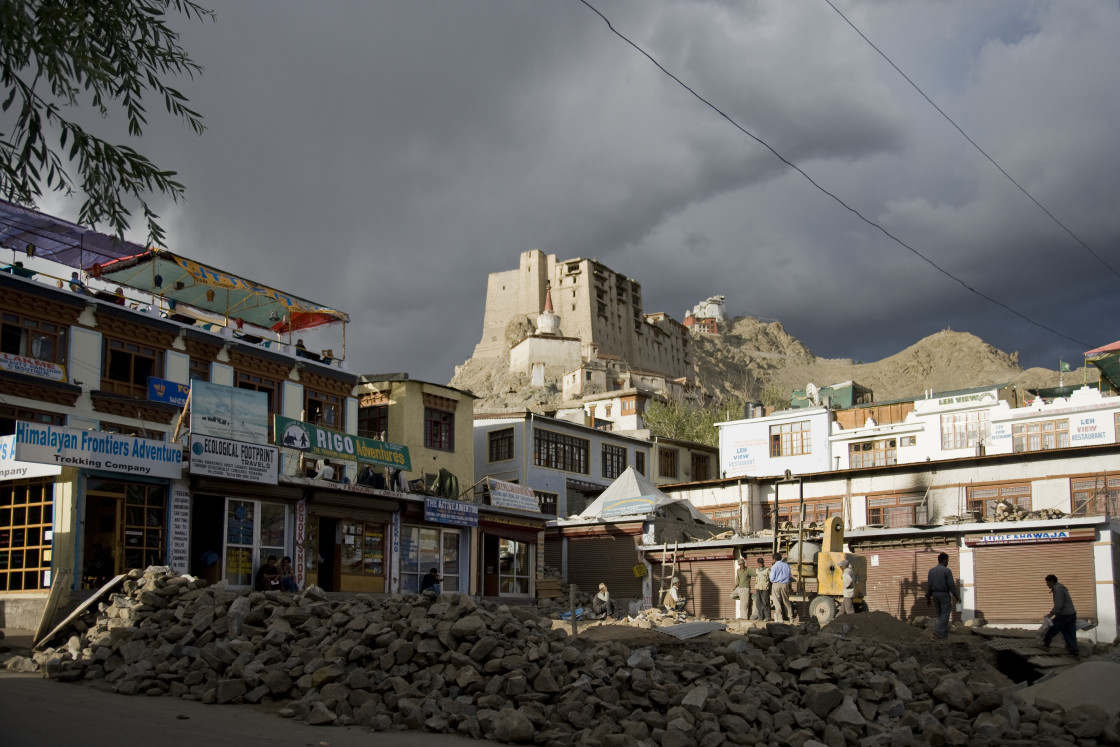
{"points": [[439, 429], [318, 407], [640, 462], [119, 354], [898, 510], [878, 453], [1040, 435], [701, 467], [560, 451], [614, 460], [373, 421], [791, 439], [500, 445], [1095, 495], [26, 521], [982, 499], [964, 430], [29, 328], [668, 462]]}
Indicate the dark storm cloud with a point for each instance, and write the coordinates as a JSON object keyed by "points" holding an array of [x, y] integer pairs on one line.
{"points": [[384, 157]]}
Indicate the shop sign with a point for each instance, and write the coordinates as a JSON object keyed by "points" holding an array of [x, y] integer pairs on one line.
{"points": [[32, 367], [511, 495], [13, 470], [633, 506], [112, 452], [1022, 538], [229, 412], [448, 511], [167, 392], [332, 444], [233, 460], [179, 538], [298, 562]]}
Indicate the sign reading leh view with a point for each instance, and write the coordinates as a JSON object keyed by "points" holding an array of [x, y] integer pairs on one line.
{"points": [[325, 442]]}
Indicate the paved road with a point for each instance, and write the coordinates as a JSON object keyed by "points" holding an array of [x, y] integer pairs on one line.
{"points": [[35, 711]]}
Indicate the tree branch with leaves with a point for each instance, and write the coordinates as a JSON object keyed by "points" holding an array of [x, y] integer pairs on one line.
{"points": [[54, 54]]}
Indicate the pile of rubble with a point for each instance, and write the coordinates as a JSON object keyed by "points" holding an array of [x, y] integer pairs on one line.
{"points": [[451, 664]]}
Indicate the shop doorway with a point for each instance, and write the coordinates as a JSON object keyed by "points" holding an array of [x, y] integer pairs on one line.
{"points": [[207, 522], [125, 528]]}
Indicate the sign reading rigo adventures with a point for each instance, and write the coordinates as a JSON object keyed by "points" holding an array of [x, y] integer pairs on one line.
{"points": [[326, 442]]}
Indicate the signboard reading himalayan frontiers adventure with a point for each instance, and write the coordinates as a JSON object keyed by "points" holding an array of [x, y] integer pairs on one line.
{"points": [[70, 447], [332, 444]]}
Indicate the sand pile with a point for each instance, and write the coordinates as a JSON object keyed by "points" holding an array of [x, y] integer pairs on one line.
{"points": [[876, 625]]}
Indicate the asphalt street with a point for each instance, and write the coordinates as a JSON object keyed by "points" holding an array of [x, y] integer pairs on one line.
{"points": [[35, 711]]}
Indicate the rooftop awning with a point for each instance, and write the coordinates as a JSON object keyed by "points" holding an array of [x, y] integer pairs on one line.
{"points": [[1107, 360], [58, 240], [185, 281]]}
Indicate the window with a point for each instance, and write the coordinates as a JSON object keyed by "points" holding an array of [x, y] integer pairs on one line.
{"points": [[640, 462], [614, 460], [373, 422], [126, 366], [514, 567], [873, 454], [629, 406], [9, 415], [724, 517], [439, 429], [547, 501], [254, 530], [1041, 436], [363, 548], [501, 445], [908, 441], [815, 511], [133, 430], [559, 451], [323, 409], [983, 500], [701, 467], [1095, 496], [790, 439], [30, 338], [964, 430], [423, 548], [200, 369], [26, 520], [896, 510], [667, 462]]}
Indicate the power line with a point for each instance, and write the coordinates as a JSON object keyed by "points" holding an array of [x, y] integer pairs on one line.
{"points": [[973, 142], [808, 178]]}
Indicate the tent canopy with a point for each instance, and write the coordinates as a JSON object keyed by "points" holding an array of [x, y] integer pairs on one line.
{"points": [[58, 240], [184, 281], [632, 494]]}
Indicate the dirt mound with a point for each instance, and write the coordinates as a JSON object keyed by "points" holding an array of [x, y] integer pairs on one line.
{"points": [[877, 625], [1095, 682]]}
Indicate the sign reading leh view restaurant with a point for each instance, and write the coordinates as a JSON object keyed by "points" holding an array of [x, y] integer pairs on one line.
{"points": [[332, 444], [70, 447], [512, 495], [233, 460]]}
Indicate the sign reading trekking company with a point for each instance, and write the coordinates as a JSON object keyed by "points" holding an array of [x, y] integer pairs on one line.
{"points": [[112, 452], [233, 460], [512, 495], [229, 412], [447, 511], [325, 442], [32, 367], [168, 392]]}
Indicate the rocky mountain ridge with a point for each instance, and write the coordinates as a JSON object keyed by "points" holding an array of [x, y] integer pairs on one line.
{"points": [[759, 360]]}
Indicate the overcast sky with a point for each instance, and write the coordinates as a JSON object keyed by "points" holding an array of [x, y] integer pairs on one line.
{"points": [[384, 157]]}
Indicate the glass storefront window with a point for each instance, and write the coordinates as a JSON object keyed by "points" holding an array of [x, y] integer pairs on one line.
{"points": [[254, 530], [425, 547], [513, 567]]}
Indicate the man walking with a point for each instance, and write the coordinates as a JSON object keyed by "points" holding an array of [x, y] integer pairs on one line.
{"points": [[1063, 617], [742, 590], [940, 586], [780, 578], [760, 597]]}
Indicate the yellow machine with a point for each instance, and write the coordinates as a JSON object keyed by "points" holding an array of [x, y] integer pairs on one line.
{"points": [[814, 554]]}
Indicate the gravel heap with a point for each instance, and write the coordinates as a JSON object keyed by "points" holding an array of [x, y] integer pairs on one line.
{"points": [[451, 664]]}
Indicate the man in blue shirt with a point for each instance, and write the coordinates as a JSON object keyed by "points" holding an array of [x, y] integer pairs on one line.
{"points": [[940, 586], [780, 578]]}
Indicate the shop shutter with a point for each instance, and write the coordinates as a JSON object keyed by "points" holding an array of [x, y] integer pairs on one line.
{"points": [[553, 550], [1011, 586], [608, 559], [896, 578], [707, 584], [517, 534]]}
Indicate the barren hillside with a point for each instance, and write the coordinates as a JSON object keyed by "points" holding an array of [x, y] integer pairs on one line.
{"points": [[753, 357]]}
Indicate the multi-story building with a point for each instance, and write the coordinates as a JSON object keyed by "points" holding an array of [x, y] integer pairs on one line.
{"points": [[592, 304]]}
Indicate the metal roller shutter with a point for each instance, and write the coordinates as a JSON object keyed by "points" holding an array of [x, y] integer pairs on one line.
{"points": [[607, 559], [553, 551], [707, 585], [1010, 585], [896, 578]]}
